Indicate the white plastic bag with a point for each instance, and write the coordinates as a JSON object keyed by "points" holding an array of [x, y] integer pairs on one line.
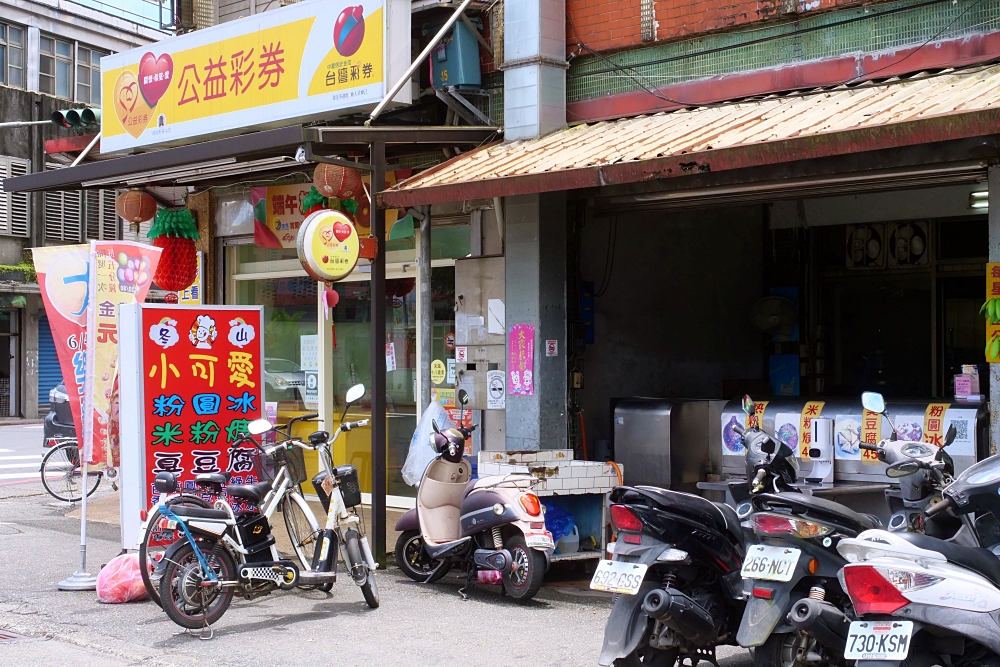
{"points": [[421, 453]]}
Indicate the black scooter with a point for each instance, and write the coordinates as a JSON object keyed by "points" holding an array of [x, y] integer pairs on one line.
{"points": [[677, 560]]}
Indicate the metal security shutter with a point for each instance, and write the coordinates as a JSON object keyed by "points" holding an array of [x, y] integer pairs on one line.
{"points": [[100, 219], [49, 373], [15, 211]]}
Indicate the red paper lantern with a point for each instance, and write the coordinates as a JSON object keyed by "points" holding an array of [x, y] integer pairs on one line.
{"points": [[135, 206], [333, 180]]}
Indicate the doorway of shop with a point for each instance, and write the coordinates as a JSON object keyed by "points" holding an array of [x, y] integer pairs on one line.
{"points": [[10, 356]]}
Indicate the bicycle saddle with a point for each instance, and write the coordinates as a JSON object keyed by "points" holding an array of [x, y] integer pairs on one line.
{"points": [[252, 492]]}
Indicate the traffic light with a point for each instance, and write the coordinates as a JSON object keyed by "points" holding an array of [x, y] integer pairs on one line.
{"points": [[79, 119]]}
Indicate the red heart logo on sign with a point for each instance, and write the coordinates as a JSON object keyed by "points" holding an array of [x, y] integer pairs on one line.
{"points": [[154, 76], [341, 230]]}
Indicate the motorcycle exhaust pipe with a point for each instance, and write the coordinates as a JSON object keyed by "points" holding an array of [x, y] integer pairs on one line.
{"points": [[681, 614], [823, 621]]}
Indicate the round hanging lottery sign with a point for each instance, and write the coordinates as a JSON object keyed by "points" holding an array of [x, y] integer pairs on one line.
{"points": [[328, 245]]}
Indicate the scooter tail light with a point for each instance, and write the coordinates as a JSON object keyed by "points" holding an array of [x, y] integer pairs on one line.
{"points": [[907, 580], [531, 504], [779, 524], [871, 592], [625, 519]]}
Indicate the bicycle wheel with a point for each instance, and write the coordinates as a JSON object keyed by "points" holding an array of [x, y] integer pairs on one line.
{"points": [[358, 568], [156, 540], [302, 527], [62, 475]]}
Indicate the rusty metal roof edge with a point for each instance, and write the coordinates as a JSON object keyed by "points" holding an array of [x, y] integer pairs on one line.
{"points": [[931, 129]]}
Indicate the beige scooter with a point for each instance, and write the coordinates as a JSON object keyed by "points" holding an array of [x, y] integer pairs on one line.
{"points": [[493, 523]]}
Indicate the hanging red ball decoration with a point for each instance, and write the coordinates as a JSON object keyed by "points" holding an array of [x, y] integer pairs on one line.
{"points": [[135, 206], [175, 232], [333, 180]]}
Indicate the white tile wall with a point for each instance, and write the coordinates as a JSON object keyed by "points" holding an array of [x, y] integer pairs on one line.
{"points": [[570, 476]]}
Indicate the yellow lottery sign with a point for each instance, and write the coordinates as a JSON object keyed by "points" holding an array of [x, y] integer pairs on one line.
{"points": [[298, 62], [328, 246]]}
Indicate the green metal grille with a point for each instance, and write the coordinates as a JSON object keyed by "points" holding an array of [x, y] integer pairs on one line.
{"points": [[911, 25]]}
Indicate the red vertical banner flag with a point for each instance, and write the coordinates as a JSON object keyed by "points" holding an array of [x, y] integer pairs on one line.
{"points": [[202, 370], [120, 272], [64, 281]]}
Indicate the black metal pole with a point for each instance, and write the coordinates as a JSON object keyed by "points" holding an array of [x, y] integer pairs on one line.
{"points": [[379, 416]]}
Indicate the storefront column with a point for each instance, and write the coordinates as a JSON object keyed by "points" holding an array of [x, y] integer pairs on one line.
{"points": [[425, 315], [994, 190], [536, 294], [379, 423]]}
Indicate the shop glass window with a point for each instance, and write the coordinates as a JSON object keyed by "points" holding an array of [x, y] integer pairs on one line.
{"points": [[88, 75], [11, 55], [290, 312], [55, 67]]}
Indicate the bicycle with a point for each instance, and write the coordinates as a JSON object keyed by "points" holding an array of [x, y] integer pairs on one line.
{"points": [[278, 491], [222, 555], [61, 472]]}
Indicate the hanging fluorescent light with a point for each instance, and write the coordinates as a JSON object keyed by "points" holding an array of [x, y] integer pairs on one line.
{"points": [[979, 199]]}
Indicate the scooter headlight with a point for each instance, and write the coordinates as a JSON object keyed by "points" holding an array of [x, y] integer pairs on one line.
{"points": [[498, 509]]}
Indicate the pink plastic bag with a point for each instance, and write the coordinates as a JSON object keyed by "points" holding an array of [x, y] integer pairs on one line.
{"points": [[120, 580]]}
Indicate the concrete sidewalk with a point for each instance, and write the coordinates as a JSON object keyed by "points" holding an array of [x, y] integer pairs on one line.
{"points": [[416, 626]]}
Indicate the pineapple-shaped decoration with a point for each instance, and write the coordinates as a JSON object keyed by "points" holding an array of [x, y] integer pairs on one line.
{"points": [[312, 202], [175, 232]]}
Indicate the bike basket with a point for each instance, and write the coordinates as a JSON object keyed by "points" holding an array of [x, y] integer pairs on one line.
{"points": [[295, 462], [263, 466], [350, 488]]}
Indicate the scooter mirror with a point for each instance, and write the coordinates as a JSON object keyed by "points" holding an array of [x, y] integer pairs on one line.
{"points": [[748, 405], [259, 426], [950, 436], [463, 396], [873, 402], [902, 469], [434, 425], [355, 393]]}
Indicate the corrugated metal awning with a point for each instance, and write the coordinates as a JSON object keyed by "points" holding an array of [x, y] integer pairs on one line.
{"points": [[921, 109]]}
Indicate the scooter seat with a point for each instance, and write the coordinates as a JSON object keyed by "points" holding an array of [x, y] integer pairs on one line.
{"points": [[448, 549], [189, 512], [977, 559], [252, 492], [732, 522]]}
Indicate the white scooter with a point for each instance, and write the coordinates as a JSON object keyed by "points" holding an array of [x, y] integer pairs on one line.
{"points": [[929, 601]]}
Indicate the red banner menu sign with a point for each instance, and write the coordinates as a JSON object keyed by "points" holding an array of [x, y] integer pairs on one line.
{"points": [[202, 379]]}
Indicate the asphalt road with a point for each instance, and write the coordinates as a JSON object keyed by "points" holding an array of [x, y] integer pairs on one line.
{"points": [[416, 625], [20, 453]]}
